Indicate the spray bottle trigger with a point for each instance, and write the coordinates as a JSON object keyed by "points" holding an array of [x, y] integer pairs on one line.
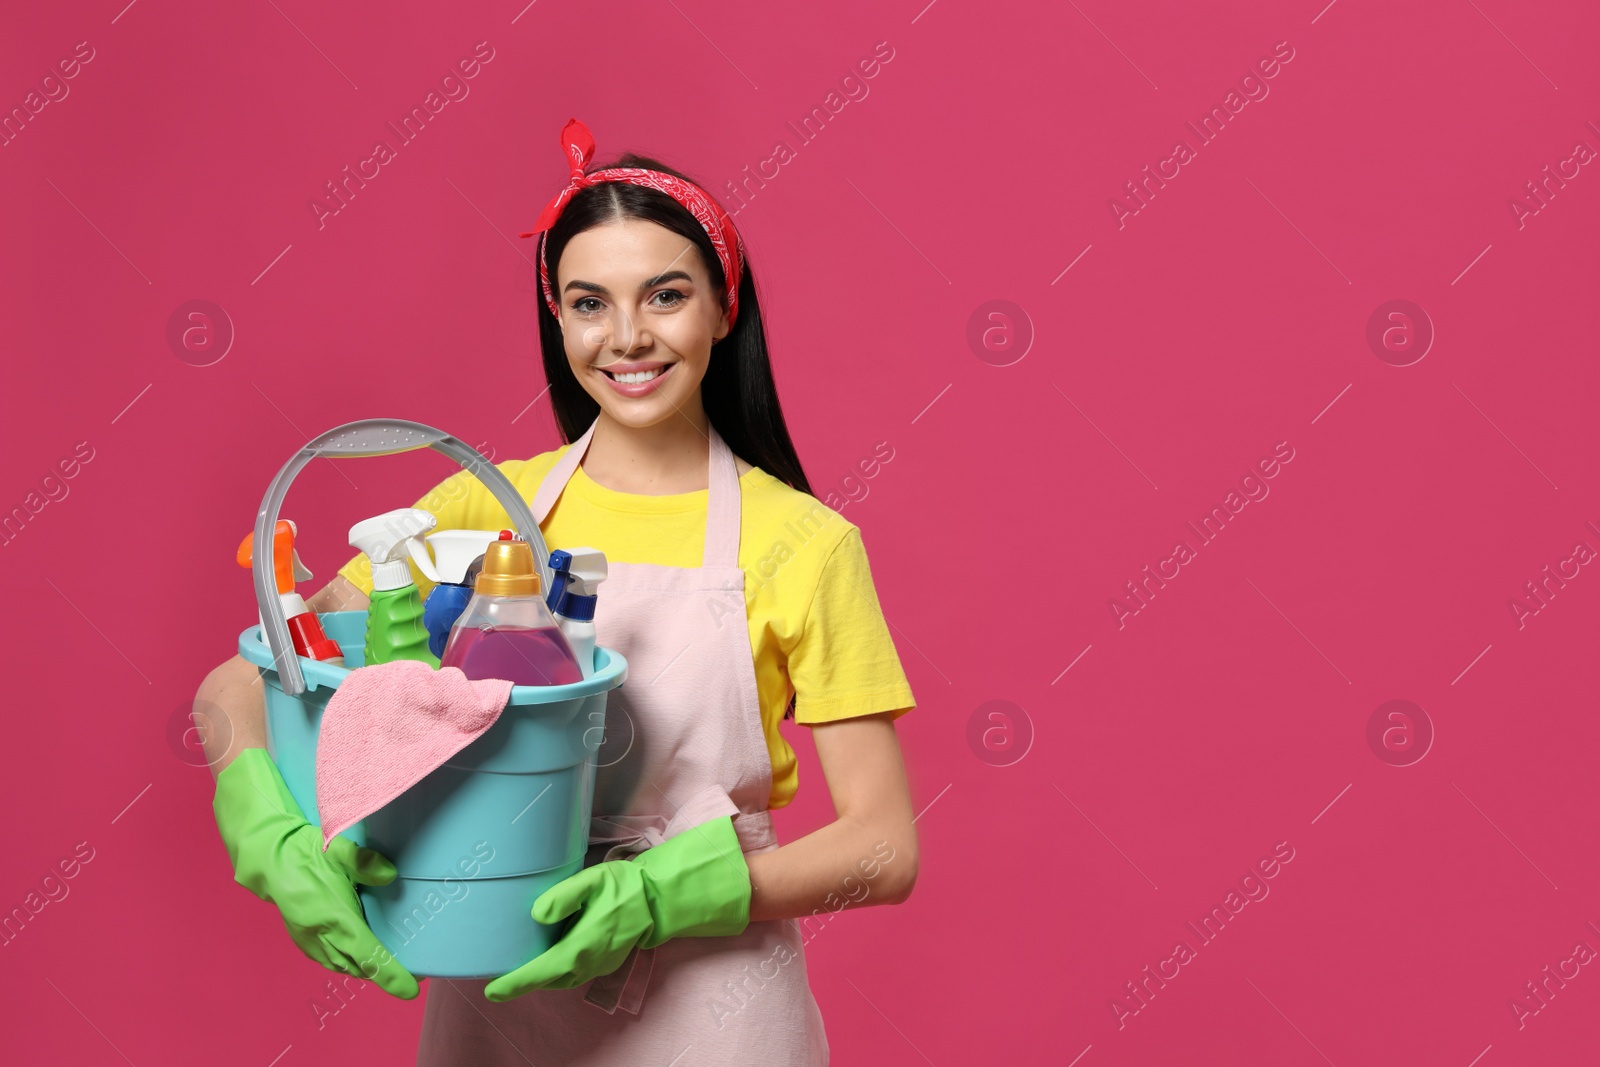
{"points": [[418, 551]]}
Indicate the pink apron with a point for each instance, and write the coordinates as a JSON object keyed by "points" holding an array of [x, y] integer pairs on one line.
{"points": [[683, 745]]}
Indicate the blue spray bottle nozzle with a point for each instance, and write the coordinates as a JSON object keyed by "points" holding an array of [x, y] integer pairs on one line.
{"points": [[576, 576], [582, 570], [560, 575]]}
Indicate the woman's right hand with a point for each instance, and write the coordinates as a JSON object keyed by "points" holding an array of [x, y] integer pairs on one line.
{"points": [[277, 855]]}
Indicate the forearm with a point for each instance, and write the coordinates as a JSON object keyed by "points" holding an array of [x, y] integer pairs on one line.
{"points": [[230, 713], [850, 862], [230, 710]]}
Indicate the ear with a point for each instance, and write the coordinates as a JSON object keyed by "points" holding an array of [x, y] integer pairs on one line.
{"points": [[723, 329]]}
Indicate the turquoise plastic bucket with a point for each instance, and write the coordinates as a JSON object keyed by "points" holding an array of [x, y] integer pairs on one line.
{"points": [[507, 817], [477, 840]]}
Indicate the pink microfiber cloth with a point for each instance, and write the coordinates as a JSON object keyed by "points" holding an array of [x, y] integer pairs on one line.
{"points": [[388, 726]]}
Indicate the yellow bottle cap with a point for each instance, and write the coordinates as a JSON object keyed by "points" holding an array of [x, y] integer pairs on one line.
{"points": [[508, 570]]}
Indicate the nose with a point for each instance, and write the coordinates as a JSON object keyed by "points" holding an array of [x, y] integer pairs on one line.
{"points": [[615, 337]]}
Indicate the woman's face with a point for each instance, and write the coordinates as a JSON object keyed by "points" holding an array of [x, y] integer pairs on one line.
{"points": [[638, 316]]}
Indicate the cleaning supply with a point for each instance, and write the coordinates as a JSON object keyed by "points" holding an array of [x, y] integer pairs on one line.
{"points": [[304, 629], [694, 884], [390, 725], [394, 614], [506, 630], [457, 555], [276, 855], [560, 575], [440, 833], [578, 574]]}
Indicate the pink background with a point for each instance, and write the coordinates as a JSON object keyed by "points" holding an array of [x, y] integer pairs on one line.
{"points": [[1230, 313]]}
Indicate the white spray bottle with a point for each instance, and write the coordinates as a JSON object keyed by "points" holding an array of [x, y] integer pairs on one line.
{"points": [[457, 554], [578, 574]]}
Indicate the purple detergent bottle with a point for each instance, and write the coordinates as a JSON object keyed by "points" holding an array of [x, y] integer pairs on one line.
{"points": [[506, 630]]}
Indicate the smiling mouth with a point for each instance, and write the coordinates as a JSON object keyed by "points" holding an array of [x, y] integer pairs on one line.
{"points": [[636, 377]]}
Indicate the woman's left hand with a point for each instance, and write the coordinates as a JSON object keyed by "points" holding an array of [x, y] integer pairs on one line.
{"points": [[695, 884]]}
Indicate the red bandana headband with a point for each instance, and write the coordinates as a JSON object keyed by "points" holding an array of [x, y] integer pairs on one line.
{"points": [[578, 145]]}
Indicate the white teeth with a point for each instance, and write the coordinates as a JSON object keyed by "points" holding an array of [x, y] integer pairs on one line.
{"points": [[640, 376]]}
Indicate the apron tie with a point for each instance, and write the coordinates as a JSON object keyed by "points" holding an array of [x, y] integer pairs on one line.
{"points": [[627, 835]]}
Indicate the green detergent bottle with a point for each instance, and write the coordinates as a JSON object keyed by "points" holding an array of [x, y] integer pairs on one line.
{"points": [[394, 616]]}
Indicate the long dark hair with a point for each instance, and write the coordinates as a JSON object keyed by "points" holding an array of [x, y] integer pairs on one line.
{"points": [[738, 392]]}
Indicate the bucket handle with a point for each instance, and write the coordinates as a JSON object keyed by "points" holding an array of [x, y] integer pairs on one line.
{"points": [[370, 437]]}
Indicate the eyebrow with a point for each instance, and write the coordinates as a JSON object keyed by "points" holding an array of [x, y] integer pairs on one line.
{"points": [[668, 276]]}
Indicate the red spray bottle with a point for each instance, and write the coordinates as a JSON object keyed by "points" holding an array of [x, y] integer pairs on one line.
{"points": [[309, 639]]}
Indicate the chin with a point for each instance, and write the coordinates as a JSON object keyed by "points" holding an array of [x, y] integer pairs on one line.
{"points": [[637, 415], [643, 411]]}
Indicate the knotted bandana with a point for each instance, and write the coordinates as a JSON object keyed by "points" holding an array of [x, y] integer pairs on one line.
{"points": [[578, 145]]}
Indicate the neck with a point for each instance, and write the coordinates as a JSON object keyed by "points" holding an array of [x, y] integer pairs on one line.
{"points": [[671, 456]]}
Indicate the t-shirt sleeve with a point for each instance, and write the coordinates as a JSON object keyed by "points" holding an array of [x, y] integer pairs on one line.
{"points": [[460, 502], [844, 663]]}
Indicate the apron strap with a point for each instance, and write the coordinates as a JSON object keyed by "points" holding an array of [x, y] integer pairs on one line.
{"points": [[722, 506], [556, 477], [722, 498]]}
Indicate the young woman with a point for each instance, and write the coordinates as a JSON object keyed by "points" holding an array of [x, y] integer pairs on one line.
{"points": [[737, 598]]}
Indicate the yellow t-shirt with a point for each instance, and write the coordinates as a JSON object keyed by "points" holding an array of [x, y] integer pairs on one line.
{"points": [[816, 629]]}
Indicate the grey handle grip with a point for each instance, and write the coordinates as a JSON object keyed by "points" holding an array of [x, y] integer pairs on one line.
{"points": [[369, 437]]}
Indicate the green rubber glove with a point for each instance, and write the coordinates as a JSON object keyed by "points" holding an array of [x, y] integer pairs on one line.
{"points": [[278, 856], [695, 884]]}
